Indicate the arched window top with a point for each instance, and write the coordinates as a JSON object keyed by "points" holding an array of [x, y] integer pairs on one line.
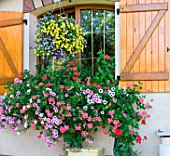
{"points": [[48, 5]]}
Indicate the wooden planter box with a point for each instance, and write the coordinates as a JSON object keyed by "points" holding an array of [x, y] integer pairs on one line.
{"points": [[87, 151]]}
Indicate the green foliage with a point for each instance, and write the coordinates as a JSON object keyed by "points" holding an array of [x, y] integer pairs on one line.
{"points": [[67, 104]]}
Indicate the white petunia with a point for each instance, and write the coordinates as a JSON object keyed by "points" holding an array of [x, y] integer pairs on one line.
{"points": [[102, 112], [42, 122], [18, 133], [113, 89], [25, 124], [28, 106], [104, 102], [109, 91], [29, 90], [124, 91], [30, 100], [112, 94], [28, 85], [92, 107], [100, 90], [41, 114], [85, 108], [89, 101], [87, 90], [35, 121]]}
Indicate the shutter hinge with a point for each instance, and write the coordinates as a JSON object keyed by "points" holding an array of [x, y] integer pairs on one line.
{"points": [[118, 11], [25, 21]]}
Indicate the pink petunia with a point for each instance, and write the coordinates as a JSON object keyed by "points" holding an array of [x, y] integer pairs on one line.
{"points": [[68, 108], [78, 128], [116, 122], [141, 100], [134, 105], [17, 104], [90, 125], [50, 115], [84, 133], [124, 115], [98, 118], [114, 100], [147, 106], [68, 114], [89, 119], [22, 111], [34, 97], [1, 111], [84, 115], [110, 120], [46, 95]]}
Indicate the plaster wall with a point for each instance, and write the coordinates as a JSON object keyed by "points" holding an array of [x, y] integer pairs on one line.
{"points": [[27, 143], [160, 119], [11, 5]]}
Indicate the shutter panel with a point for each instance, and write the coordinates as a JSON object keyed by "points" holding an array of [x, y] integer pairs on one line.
{"points": [[11, 30], [143, 49]]}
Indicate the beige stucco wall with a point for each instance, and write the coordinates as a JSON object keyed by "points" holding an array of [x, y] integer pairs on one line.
{"points": [[27, 144], [11, 5], [160, 119]]}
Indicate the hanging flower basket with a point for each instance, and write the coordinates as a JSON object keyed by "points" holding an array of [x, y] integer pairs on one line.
{"points": [[57, 33]]}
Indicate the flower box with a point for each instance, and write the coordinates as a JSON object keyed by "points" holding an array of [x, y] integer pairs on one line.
{"points": [[87, 151]]}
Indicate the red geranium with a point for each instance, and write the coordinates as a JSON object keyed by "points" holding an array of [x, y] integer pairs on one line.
{"points": [[44, 78], [98, 87], [143, 122], [72, 63], [107, 57], [75, 79], [48, 84], [138, 139], [76, 74]]}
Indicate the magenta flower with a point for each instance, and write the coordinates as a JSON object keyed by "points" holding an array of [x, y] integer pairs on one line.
{"points": [[1, 111]]}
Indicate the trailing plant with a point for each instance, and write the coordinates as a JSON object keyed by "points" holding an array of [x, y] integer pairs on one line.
{"points": [[69, 105]]}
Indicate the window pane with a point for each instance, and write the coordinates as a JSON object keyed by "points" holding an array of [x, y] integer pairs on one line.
{"points": [[99, 29]]}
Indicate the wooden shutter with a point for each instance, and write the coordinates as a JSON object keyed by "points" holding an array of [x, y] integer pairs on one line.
{"points": [[11, 30], [143, 43]]}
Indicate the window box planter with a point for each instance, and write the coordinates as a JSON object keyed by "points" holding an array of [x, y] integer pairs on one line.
{"points": [[87, 151]]}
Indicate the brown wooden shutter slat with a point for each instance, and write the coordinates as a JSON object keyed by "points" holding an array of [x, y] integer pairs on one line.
{"points": [[143, 7], [10, 22], [5, 80], [145, 76]]}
